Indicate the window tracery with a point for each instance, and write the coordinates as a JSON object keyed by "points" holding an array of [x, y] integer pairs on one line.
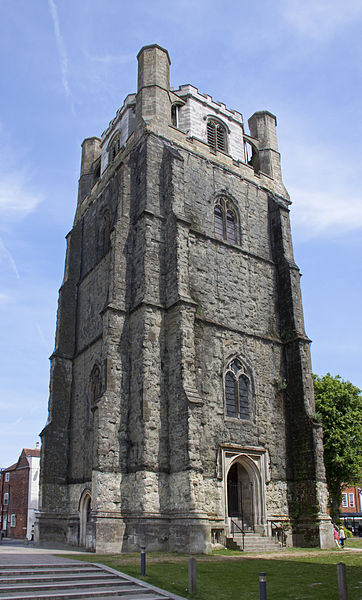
{"points": [[237, 391], [225, 220]]}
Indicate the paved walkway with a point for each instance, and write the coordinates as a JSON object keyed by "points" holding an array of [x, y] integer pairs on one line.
{"points": [[15, 553]]}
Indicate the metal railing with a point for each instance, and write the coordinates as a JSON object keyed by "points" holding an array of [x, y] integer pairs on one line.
{"points": [[278, 532], [235, 528]]}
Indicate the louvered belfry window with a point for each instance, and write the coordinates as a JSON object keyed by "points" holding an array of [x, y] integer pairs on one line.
{"points": [[113, 149], [237, 391], [216, 135], [225, 221]]}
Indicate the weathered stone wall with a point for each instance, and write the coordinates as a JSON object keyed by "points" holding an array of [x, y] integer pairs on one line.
{"points": [[152, 309]]}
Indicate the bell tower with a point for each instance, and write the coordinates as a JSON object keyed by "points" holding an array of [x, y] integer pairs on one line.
{"points": [[181, 398]]}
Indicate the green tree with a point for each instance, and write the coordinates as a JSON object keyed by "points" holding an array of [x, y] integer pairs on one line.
{"points": [[339, 404]]}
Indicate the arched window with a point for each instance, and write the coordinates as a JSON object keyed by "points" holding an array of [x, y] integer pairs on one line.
{"points": [[175, 114], [237, 391], [252, 156], [225, 221], [216, 135]]}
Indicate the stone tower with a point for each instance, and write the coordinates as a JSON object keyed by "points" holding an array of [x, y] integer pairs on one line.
{"points": [[181, 398]]}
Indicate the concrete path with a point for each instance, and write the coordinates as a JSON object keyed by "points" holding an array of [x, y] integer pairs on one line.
{"points": [[30, 573]]}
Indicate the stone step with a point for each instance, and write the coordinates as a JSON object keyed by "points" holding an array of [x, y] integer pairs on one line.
{"points": [[140, 594], [50, 577], [252, 543], [57, 567], [29, 586], [71, 582]]}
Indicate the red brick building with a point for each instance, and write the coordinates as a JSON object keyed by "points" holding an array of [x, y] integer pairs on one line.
{"points": [[19, 489], [351, 508]]}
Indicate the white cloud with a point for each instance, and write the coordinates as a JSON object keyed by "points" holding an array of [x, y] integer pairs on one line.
{"points": [[108, 59], [17, 195], [322, 18], [325, 189], [16, 198], [4, 298], [318, 212]]}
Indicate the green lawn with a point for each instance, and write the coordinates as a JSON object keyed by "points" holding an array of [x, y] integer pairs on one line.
{"points": [[354, 543], [298, 574]]}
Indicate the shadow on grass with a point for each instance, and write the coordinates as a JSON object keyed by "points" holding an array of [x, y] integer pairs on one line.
{"points": [[290, 578]]}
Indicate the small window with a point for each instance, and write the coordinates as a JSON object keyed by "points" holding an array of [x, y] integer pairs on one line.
{"points": [[344, 500], [113, 149], [225, 221], [237, 391], [351, 500], [216, 135], [252, 156], [6, 498], [175, 115], [12, 520], [96, 171], [7, 476]]}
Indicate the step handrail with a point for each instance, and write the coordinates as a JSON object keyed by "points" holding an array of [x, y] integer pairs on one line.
{"points": [[280, 532], [235, 525]]}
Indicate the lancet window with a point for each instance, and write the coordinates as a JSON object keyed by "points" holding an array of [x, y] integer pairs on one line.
{"points": [[175, 114], [237, 391], [225, 221]]}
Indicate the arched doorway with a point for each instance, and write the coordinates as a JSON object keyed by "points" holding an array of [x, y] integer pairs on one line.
{"points": [[84, 514], [241, 496]]}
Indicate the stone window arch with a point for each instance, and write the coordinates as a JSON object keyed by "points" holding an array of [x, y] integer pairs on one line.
{"points": [[226, 222], [175, 114], [216, 133], [252, 155], [238, 390]]}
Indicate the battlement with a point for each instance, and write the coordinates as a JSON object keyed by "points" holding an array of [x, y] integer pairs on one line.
{"points": [[159, 108], [129, 101], [188, 90]]}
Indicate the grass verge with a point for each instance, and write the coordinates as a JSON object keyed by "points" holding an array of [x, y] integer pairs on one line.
{"points": [[294, 575]]}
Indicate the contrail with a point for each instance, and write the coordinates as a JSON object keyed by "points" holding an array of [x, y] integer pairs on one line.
{"points": [[63, 60], [42, 336], [10, 258]]}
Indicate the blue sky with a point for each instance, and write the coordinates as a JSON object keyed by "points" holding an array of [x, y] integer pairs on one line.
{"points": [[67, 65]]}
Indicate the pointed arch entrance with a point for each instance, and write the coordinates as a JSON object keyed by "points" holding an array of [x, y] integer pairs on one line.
{"points": [[240, 494], [84, 514], [244, 475]]}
